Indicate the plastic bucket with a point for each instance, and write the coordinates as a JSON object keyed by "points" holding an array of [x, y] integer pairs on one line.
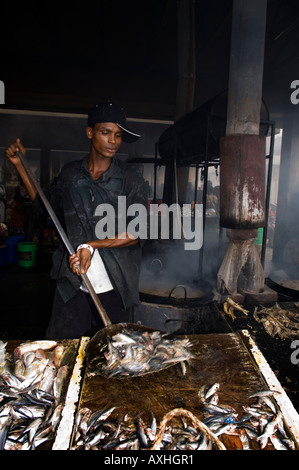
{"points": [[27, 254], [12, 248], [259, 239]]}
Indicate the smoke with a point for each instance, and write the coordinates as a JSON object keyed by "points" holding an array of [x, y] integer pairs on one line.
{"points": [[166, 264]]}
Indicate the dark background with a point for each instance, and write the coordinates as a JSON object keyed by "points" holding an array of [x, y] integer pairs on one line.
{"points": [[65, 56]]}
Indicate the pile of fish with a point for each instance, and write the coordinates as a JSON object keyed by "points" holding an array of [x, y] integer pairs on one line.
{"points": [[130, 354], [260, 426], [31, 385], [94, 431], [278, 321]]}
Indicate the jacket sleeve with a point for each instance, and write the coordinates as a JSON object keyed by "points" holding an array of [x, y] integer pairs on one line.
{"points": [[137, 192]]}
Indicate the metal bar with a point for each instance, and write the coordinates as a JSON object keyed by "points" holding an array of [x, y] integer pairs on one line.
{"points": [[175, 172], [65, 240], [204, 196], [268, 193], [155, 174]]}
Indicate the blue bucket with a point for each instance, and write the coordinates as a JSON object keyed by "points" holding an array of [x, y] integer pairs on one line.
{"points": [[12, 248]]}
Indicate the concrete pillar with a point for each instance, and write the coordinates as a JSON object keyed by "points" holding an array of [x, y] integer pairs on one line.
{"points": [[246, 66], [242, 182]]}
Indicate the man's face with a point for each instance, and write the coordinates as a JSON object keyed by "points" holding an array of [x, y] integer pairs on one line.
{"points": [[106, 138]]}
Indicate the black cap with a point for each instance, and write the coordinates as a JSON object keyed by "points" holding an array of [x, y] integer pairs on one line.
{"points": [[112, 112]]}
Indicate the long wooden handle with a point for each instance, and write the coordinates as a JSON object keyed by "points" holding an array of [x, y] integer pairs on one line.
{"points": [[65, 240]]}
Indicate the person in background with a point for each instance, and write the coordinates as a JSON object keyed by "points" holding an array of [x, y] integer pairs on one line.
{"points": [[112, 264]]}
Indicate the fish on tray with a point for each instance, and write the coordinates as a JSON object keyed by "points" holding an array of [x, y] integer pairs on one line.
{"points": [[31, 384], [130, 354], [259, 426]]}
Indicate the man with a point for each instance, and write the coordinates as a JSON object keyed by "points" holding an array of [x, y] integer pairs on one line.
{"points": [[112, 264]]}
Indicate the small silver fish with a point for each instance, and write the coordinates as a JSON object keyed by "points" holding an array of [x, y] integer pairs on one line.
{"points": [[270, 429], [243, 436], [32, 428], [48, 378], [277, 443], [265, 393], [59, 381], [213, 389]]}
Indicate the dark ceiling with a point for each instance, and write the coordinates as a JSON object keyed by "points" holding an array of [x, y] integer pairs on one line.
{"points": [[67, 56]]}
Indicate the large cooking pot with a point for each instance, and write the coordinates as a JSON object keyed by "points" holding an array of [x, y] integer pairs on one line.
{"points": [[173, 292], [180, 320], [285, 281], [173, 304]]}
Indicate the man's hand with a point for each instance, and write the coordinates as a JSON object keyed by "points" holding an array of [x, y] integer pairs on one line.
{"points": [[81, 259], [11, 152], [16, 161]]}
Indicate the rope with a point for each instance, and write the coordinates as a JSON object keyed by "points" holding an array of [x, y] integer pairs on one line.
{"points": [[196, 422]]}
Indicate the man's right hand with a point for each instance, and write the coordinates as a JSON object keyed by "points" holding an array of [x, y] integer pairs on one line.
{"points": [[11, 152]]}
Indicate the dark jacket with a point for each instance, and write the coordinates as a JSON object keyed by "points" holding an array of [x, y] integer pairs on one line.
{"points": [[74, 197]]}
